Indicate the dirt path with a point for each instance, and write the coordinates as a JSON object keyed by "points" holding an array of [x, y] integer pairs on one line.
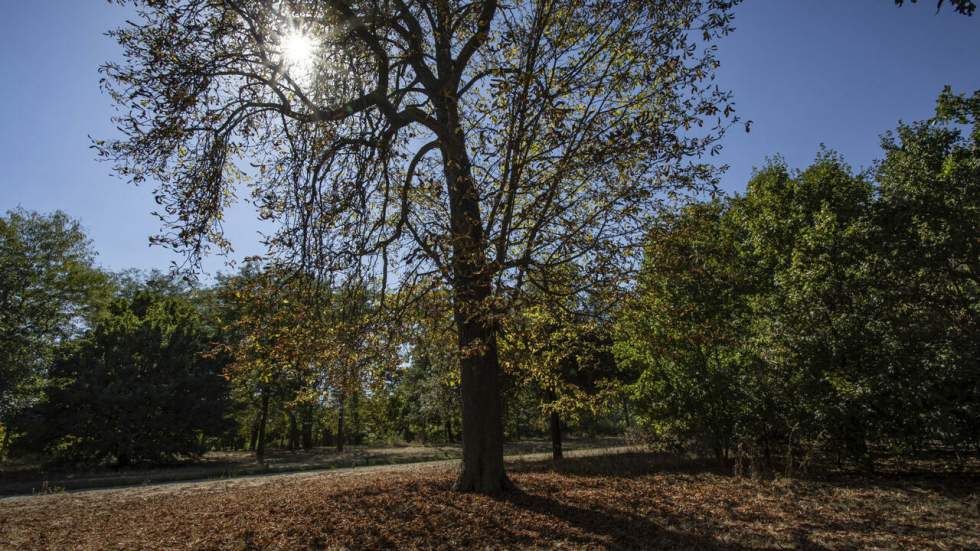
{"points": [[218, 465], [203, 486]]}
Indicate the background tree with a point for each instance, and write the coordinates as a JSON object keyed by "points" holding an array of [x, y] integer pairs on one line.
{"points": [[140, 385], [49, 285], [813, 308], [557, 126], [684, 332], [427, 393], [927, 217], [266, 337], [822, 311], [559, 347]]}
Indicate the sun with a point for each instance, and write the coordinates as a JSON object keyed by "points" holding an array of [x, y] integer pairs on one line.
{"points": [[297, 50]]}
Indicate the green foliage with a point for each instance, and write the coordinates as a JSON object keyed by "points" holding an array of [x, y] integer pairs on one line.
{"points": [[820, 309], [562, 356], [140, 385], [683, 333], [930, 219], [48, 288]]}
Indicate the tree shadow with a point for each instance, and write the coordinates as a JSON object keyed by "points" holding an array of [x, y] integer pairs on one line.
{"points": [[618, 530], [623, 465], [665, 528]]}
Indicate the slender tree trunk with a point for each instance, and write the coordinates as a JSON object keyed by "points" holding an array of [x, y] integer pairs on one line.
{"points": [[483, 431], [263, 416], [340, 424], [555, 436], [293, 432], [307, 430], [627, 418], [555, 427], [5, 443], [254, 436], [355, 416]]}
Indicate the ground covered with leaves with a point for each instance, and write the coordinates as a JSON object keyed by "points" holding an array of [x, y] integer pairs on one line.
{"points": [[625, 501]]}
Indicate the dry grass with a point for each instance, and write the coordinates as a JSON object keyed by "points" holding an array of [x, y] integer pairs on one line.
{"points": [[631, 501]]}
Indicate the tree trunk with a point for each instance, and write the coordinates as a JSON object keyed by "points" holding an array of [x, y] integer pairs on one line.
{"points": [[307, 431], [555, 436], [483, 429], [263, 416], [355, 404], [254, 436], [5, 443], [554, 426], [627, 418], [293, 432], [340, 424]]}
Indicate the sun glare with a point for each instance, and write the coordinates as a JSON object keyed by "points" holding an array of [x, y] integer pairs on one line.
{"points": [[297, 51]]}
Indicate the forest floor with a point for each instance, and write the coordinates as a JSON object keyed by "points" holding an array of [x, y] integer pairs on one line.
{"points": [[588, 501], [27, 478]]}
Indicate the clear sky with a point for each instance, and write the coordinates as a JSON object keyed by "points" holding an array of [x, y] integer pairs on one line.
{"points": [[839, 72]]}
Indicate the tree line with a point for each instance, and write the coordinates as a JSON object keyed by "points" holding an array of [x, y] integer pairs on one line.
{"points": [[136, 368]]}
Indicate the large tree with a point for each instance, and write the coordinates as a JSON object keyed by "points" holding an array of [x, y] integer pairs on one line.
{"points": [[473, 140]]}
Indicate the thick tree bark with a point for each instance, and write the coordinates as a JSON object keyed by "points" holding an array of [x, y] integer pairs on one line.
{"points": [[263, 417], [483, 430]]}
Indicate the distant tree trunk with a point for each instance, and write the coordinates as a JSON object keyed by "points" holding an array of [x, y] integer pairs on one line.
{"points": [[554, 426], [293, 431], [254, 437], [340, 424], [263, 417], [627, 418], [355, 436], [449, 429], [307, 430], [555, 436], [6, 442]]}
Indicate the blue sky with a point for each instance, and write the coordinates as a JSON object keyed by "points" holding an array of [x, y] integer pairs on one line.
{"points": [[838, 72]]}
